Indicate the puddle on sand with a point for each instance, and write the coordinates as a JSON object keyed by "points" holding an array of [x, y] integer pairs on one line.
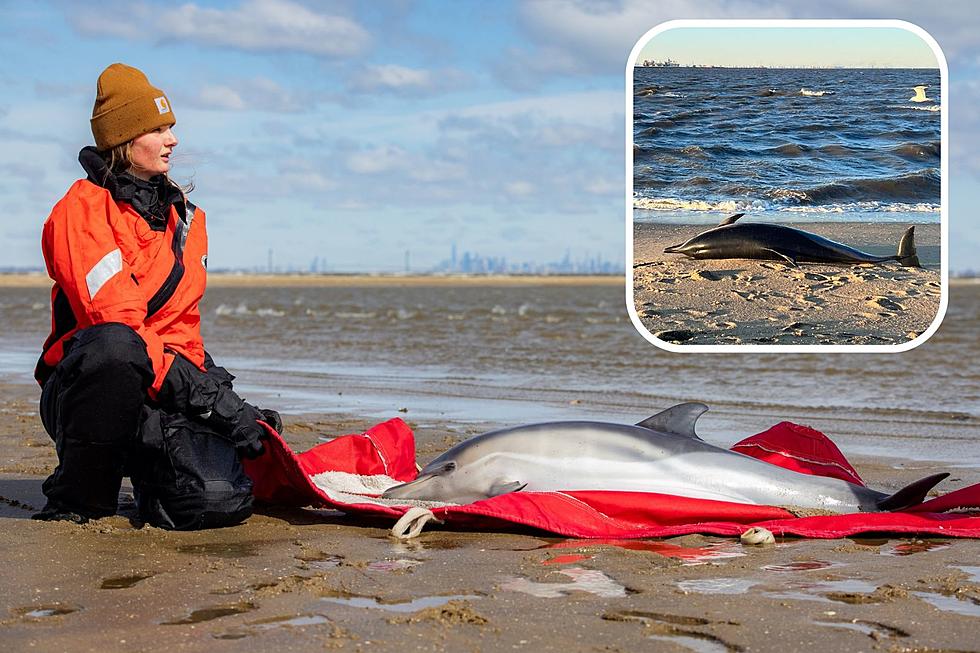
{"points": [[272, 623], [717, 585], [222, 549], [290, 622], [872, 629], [122, 582], [974, 572], [914, 546], [214, 612], [694, 642], [688, 555], [400, 564], [803, 565], [818, 591], [45, 611], [321, 561], [591, 581], [409, 606], [964, 606]]}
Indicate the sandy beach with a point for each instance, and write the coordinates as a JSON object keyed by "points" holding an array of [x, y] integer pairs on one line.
{"points": [[313, 579], [686, 301]]}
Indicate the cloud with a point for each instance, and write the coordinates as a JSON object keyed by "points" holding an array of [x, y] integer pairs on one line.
{"points": [[401, 80], [253, 26], [257, 94], [580, 38]]}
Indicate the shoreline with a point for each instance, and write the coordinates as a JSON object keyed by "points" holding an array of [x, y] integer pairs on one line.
{"points": [[742, 301], [232, 279]]}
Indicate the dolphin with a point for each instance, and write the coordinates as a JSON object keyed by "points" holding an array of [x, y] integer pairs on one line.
{"points": [[774, 242], [661, 454]]}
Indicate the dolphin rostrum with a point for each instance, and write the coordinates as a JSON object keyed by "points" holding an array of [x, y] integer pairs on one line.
{"points": [[776, 242], [661, 454]]}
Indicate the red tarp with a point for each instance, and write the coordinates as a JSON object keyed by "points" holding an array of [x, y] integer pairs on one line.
{"points": [[283, 477]]}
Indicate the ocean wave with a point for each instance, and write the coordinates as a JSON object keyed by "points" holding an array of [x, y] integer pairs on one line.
{"points": [[789, 149], [808, 93], [914, 186], [777, 203], [671, 204], [919, 150], [931, 107], [868, 207]]}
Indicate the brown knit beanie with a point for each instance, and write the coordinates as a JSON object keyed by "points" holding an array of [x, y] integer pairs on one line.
{"points": [[127, 106]]}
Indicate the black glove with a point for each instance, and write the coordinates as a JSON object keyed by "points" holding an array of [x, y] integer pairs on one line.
{"points": [[210, 398], [272, 418]]}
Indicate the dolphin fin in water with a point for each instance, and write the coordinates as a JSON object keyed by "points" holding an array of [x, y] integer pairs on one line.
{"points": [[732, 219], [907, 256], [910, 495], [679, 419]]}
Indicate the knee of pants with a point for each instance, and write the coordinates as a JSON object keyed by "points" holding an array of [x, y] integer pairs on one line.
{"points": [[112, 351]]}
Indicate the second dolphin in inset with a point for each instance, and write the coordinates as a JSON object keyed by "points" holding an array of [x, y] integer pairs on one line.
{"points": [[661, 454], [775, 242]]}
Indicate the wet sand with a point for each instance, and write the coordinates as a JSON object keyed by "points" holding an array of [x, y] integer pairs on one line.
{"points": [[313, 579], [734, 302]]}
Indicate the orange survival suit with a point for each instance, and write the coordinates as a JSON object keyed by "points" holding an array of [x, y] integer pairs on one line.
{"points": [[127, 388]]}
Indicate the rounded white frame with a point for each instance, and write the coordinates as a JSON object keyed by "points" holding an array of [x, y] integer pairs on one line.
{"points": [[944, 187]]}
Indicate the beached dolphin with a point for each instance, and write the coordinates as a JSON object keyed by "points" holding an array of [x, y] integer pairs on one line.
{"points": [[661, 454], [775, 242], [920, 94]]}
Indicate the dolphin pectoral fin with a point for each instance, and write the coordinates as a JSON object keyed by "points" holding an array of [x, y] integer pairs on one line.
{"points": [[786, 257], [405, 490], [505, 487], [732, 219], [910, 495], [679, 419]]}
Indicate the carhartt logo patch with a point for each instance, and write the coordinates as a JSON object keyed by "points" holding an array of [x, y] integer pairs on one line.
{"points": [[162, 105]]}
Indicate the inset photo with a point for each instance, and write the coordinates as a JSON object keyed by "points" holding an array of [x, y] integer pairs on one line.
{"points": [[787, 189]]}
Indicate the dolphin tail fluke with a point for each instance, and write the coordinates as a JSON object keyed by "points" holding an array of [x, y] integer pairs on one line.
{"points": [[910, 495], [907, 256]]}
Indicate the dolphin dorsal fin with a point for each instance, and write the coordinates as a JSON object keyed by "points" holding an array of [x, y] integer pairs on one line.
{"points": [[679, 419], [732, 219]]}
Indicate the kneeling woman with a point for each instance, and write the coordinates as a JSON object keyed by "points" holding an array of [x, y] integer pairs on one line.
{"points": [[128, 388]]}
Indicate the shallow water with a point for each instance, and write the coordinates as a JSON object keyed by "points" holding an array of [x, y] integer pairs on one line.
{"points": [[509, 355]]}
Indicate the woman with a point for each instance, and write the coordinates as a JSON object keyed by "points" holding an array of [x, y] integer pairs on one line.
{"points": [[128, 388]]}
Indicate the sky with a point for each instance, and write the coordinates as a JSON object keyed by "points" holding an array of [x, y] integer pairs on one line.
{"points": [[791, 47], [355, 132]]}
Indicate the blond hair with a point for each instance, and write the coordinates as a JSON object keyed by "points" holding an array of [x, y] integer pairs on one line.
{"points": [[120, 159]]}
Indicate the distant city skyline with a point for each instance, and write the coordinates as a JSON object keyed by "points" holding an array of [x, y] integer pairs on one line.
{"points": [[790, 47]]}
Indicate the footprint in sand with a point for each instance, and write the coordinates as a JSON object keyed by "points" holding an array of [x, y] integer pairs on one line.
{"points": [[675, 335], [885, 303], [704, 275], [749, 296], [722, 325]]}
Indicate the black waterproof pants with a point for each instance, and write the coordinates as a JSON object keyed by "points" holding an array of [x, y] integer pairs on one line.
{"points": [[94, 406]]}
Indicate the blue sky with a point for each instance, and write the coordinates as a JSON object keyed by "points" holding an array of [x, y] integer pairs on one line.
{"points": [[355, 131], [792, 47]]}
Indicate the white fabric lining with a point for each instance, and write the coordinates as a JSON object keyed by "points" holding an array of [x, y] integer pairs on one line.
{"points": [[353, 488]]}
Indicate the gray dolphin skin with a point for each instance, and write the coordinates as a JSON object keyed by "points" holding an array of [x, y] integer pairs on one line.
{"points": [[774, 242], [661, 454]]}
